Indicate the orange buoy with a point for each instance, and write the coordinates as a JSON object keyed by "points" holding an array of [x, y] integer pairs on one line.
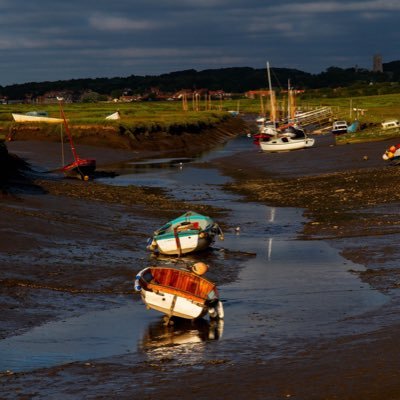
{"points": [[200, 268]]}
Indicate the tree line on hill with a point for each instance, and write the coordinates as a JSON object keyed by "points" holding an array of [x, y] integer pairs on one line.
{"points": [[231, 80]]}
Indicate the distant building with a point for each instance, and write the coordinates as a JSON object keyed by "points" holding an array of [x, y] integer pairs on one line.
{"points": [[377, 63], [52, 96], [252, 94]]}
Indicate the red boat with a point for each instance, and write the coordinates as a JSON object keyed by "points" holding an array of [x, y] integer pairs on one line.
{"points": [[82, 168], [261, 136]]}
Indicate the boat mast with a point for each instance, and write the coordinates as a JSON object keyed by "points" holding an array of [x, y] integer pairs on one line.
{"points": [[289, 110], [271, 96], [75, 154]]}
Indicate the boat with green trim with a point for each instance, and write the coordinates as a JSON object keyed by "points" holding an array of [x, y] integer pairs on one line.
{"points": [[190, 232]]}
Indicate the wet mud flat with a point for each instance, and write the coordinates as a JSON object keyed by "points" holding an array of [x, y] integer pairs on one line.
{"points": [[364, 227], [351, 203]]}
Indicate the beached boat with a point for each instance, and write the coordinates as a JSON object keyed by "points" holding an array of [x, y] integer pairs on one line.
{"points": [[191, 232], [293, 138], [353, 127], [339, 127], [392, 154], [82, 168], [266, 130], [114, 116], [391, 124], [286, 143], [179, 293], [36, 117]]}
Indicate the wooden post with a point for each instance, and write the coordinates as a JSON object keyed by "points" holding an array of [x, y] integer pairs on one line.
{"points": [[262, 110]]}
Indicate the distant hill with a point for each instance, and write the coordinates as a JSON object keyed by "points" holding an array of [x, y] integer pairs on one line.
{"points": [[232, 80]]}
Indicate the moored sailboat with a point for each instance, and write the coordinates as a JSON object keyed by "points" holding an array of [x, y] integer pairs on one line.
{"points": [[292, 139], [82, 168]]}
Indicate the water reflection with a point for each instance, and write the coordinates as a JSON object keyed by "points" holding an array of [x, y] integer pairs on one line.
{"points": [[272, 214], [182, 332], [270, 240], [157, 163], [304, 291]]}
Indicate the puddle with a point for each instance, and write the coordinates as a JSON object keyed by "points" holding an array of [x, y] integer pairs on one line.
{"points": [[289, 292], [94, 335]]}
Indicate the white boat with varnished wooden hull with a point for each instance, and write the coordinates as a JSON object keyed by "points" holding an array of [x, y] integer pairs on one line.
{"points": [[179, 293]]}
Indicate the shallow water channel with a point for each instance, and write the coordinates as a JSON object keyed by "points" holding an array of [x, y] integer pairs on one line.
{"points": [[290, 292]]}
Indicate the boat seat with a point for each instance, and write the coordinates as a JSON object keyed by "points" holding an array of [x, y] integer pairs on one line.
{"points": [[185, 226], [183, 281]]}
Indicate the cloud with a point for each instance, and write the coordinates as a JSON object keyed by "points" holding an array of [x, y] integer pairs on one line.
{"points": [[159, 52], [147, 36], [110, 23], [319, 7], [22, 43]]}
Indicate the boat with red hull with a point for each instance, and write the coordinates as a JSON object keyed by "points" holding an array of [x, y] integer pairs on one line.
{"points": [[82, 168]]}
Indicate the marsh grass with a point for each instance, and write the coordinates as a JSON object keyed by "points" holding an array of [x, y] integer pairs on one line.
{"points": [[168, 116], [377, 108], [135, 117]]}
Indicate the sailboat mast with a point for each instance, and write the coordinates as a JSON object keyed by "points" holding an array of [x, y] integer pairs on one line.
{"points": [[271, 96], [289, 111], [75, 154]]}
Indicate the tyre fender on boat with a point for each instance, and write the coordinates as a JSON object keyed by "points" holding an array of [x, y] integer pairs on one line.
{"points": [[217, 311], [138, 288], [151, 244]]}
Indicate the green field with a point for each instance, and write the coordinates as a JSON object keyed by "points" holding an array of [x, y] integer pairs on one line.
{"points": [[169, 115], [377, 108], [135, 117]]}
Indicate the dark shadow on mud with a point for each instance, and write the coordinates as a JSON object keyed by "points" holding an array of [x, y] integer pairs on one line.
{"points": [[15, 174]]}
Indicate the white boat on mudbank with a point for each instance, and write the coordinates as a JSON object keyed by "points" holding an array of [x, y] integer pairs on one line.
{"points": [[191, 232], [286, 144], [36, 116], [293, 138], [114, 116], [179, 293]]}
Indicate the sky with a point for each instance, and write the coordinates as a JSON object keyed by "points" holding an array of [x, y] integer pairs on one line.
{"points": [[50, 40]]}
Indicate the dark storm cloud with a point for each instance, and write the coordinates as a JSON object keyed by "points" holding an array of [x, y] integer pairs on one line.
{"points": [[48, 40]]}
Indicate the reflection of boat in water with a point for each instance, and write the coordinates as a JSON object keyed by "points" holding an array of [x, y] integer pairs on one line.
{"points": [[179, 293], [182, 332], [191, 232]]}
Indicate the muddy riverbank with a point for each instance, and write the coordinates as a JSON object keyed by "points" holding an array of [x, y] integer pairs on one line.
{"points": [[349, 203], [119, 137], [347, 192]]}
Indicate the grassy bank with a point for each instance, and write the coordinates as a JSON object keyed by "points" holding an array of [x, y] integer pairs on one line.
{"points": [[152, 115], [369, 109], [139, 118], [90, 119]]}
